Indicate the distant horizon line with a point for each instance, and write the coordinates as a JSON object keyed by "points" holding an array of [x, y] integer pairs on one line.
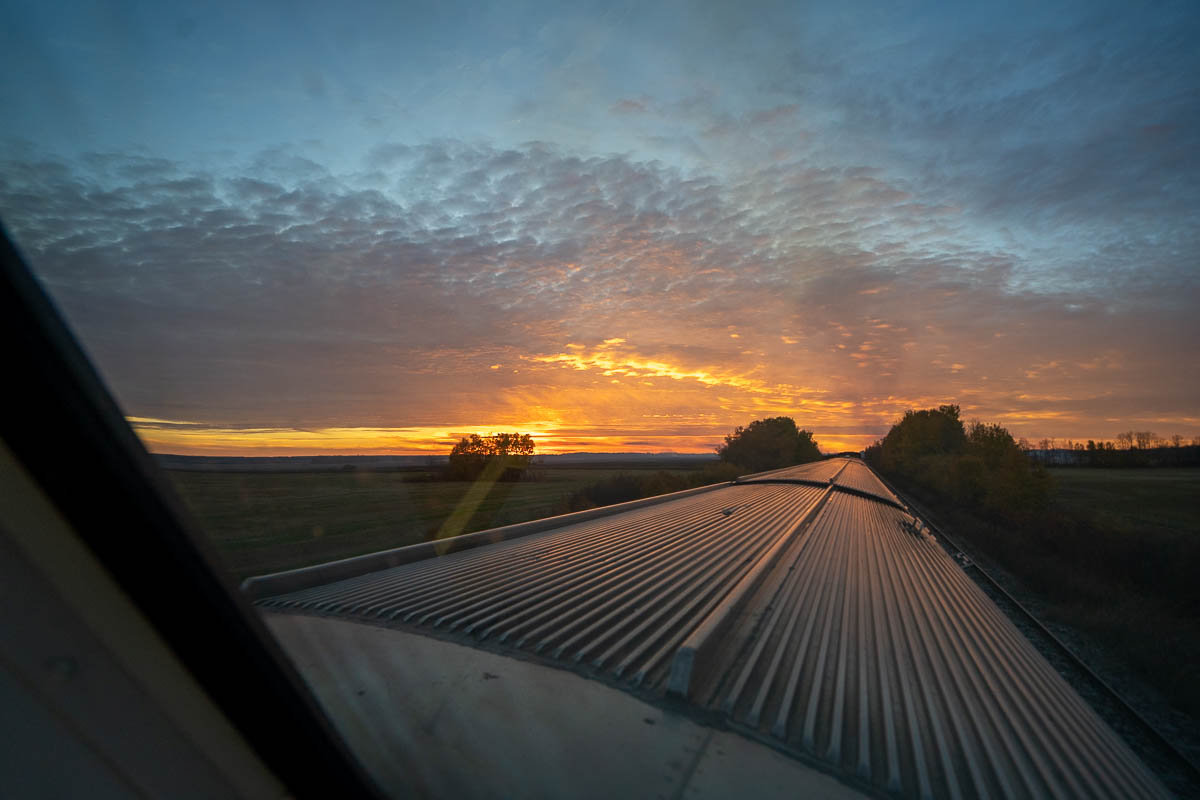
{"points": [[445, 455]]}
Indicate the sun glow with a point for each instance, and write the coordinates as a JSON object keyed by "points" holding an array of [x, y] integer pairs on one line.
{"points": [[618, 396], [608, 362]]}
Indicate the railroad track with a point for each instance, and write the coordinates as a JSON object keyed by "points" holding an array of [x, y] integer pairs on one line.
{"points": [[1176, 770]]}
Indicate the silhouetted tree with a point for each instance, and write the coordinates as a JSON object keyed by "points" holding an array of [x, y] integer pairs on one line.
{"points": [[769, 444], [921, 434], [501, 456]]}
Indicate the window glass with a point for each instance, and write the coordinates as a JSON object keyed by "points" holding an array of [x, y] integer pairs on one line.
{"points": [[314, 249]]}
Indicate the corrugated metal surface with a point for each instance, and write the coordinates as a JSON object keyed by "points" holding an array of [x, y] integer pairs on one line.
{"points": [[858, 475], [875, 652], [617, 593], [845, 472], [817, 619], [819, 471]]}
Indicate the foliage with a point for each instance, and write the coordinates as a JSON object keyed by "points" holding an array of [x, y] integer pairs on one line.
{"points": [[769, 444], [980, 467], [919, 436], [501, 456]]}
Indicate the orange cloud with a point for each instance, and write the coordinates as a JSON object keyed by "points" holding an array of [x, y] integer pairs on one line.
{"points": [[607, 361]]}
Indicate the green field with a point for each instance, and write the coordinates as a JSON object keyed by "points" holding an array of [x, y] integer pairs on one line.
{"points": [[263, 522], [1159, 500]]}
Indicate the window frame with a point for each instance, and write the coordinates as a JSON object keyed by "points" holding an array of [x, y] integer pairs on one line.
{"points": [[67, 431]]}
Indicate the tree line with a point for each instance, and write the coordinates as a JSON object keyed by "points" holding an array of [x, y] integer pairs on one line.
{"points": [[1127, 450], [1126, 440]]}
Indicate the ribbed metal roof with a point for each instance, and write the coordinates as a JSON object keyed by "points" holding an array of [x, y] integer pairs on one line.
{"points": [[818, 471], [815, 616], [858, 476], [619, 592], [847, 473], [873, 650]]}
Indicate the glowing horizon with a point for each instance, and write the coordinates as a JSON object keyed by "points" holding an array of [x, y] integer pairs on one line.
{"points": [[551, 438], [611, 396], [213, 441]]}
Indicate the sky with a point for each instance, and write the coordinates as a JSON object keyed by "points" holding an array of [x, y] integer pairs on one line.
{"points": [[377, 227]]}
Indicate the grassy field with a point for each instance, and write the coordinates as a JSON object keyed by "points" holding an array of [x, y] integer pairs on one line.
{"points": [[264, 522], [1162, 500]]}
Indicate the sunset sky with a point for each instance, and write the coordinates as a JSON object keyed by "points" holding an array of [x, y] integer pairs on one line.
{"points": [[374, 228]]}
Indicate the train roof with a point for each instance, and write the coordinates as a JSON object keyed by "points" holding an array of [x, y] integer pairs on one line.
{"points": [[804, 611]]}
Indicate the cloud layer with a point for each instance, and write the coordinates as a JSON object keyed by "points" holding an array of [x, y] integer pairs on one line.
{"points": [[601, 301]]}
